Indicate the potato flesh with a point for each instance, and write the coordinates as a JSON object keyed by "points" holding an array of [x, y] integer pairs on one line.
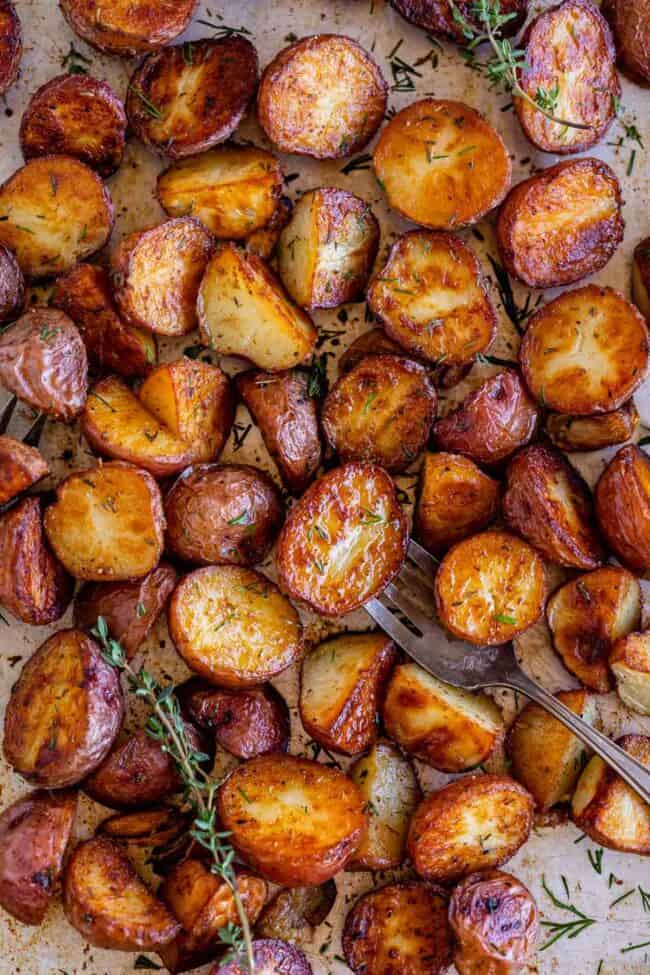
{"points": [[630, 664], [21, 466], [455, 500]]}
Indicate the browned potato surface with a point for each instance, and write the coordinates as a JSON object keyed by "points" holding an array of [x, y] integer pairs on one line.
{"points": [[455, 499], [146, 827], [11, 45], [270, 956], [21, 467], [54, 745], [630, 663], [293, 914], [128, 27], [622, 499], [344, 540], [263, 242], [436, 16], [577, 433], [322, 96], [248, 722], [296, 821], [641, 277], [12, 285], [441, 164], [631, 25], [373, 342], [561, 224]]}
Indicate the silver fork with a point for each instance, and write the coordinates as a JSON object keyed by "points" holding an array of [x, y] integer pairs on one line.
{"points": [[465, 665]]}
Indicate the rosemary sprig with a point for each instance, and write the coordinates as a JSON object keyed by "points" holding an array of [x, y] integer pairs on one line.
{"points": [[150, 108], [317, 383], [561, 929]]}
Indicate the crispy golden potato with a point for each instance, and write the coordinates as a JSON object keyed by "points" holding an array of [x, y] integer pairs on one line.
{"points": [[11, 45], [293, 914], [146, 827], [641, 277], [20, 468], [561, 224], [34, 835], [341, 684], [436, 16], [631, 26], [607, 809], [629, 661], [263, 242], [54, 211], [294, 820], [107, 523], [441, 164], [622, 497], [243, 311], [455, 499], [270, 956], [322, 96], [56, 746], [548, 503], [577, 433], [399, 928], [128, 27], [545, 757], [373, 342], [12, 285], [344, 540], [222, 514], [233, 626]]}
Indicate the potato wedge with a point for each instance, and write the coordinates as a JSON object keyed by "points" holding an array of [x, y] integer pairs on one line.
{"points": [[248, 722], [294, 820], [11, 45], [341, 684], [631, 26], [243, 311], [270, 956], [622, 498], [322, 96], [641, 277], [548, 503], [34, 835], [455, 500], [561, 224], [107, 523], [233, 626], [441, 164], [146, 827], [436, 16], [264, 241], [293, 914], [52, 745], [578, 433], [344, 540], [21, 467], [12, 285], [607, 809], [54, 211], [128, 27], [629, 661]]}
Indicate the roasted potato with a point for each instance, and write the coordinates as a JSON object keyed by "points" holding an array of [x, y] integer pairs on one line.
{"points": [[641, 277], [107, 523], [54, 745], [108, 903], [233, 626], [631, 27], [75, 115], [322, 96], [399, 928], [629, 661], [222, 514], [622, 499], [293, 914], [442, 164], [455, 500], [243, 311], [146, 827], [34, 835], [444, 726], [54, 211], [128, 27], [431, 298], [294, 820], [264, 241], [282, 407], [607, 809], [341, 684], [21, 467], [373, 342], [545, 757], [577, 433], [561, 224], [270, 956], [12, 284], [476, 822], [587, 614], [11, 45], [548, 503], [436, 16], [489, 588], [248, 722], [344, 540]]}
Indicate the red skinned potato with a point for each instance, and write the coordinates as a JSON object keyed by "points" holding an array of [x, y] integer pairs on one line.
{"points": [[21, 467], [631, 26], [455, 499], [11, 45], [577, 433], [147, 827], [12, 285], [293, 914], [436, 16], [622, 499], [630, 664], [373, 342], [270, 957], [641, 277], [128, 27]]}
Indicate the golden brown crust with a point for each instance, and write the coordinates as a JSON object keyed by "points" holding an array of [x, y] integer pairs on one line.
{"points": [[12, 286], [631, 25], [436, 16], [577, 433], [641, 277], [373, 342], [455, 499], [128, 27], [11, 45], [293, 914], [630, 663], [20, 468], [270, 956], [622, 499], [146, 827]]}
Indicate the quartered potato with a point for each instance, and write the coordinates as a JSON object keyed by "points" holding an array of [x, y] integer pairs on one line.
{"points": [[641, 277], [341, 684], [629, 661], [326, 251], [20, 468], [490, 588], [64, 712], [54, 211], [441, 164], [631, 25], [128, 27], [244, 311], [11, 45], [431, 298], [622, 499], [322, 96], [233, 626], [12, 284], [587, 614], [246, 722], [444, 726], [561, 224], [264, 241], [184, 99], [455, 499], [344, 540], [294, 820], [270, 957], [436, 16], [293, 914], [107, 523], [577, 433], [146, 827]]}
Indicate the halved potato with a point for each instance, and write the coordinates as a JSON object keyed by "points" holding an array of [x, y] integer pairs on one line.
{"points": [[607, 809], [548, 503], [561, 224], [431, 298], [641, 277], [64, 711], [490, 587], [293, 914], [444, 726], [12, 284], [437, 16], [587, 614], [441, 164], [243, 311], [54, 211], [631, 26], [455, 499], [545, 757], [128, 27], [629, 660], [294, 820], [270, 956], [341, 684], [11, 45], [622, 497], [373, 342], [344, 540], [322, 96], [263, 242], [20, 468], [146, 827], [247, 722], [476, 822], [576, 433], [233, 626], [107, 523]]}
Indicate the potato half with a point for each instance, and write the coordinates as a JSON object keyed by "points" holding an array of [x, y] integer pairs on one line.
{"points": [[577, 433], [12, 285], [21, 467], [630, 663], [373, 342], [146, 827], [622, 499], [128, 27], [293, 914], [631, 25], [270, 956], [455, 499], [263, 242], [11, 45], [641, 277], [437, 16]]}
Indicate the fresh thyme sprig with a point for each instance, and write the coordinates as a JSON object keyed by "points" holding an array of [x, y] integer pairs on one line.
{"points": [[561, 929]]}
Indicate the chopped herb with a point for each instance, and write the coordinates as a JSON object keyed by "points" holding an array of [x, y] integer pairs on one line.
{"points": [[141, 610], [494, 360], [561, 929], [317, 383], [188, 54], [320, 566], [27, 230], [596, 859], [508, 620], [643, 944], [74, 62], [358, 162], [372, 518], [245, 797], [239, 435], [645, 898], [143, 962], [47, 333], [193, 351], [630, 165], [243, 519], [504, 286], [370, 400], [54, 184], [151, 109], [623, 897]]}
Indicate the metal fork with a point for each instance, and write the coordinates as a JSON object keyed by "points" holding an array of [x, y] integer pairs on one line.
{"points": [[465, 665]]}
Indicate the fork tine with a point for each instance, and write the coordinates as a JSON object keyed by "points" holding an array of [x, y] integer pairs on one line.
{"points": [[417, 581], [422, 559], [33, 435], [390, 624], [7, 413], [412, 611]]}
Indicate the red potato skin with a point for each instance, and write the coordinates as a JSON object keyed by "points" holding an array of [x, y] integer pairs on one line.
{"points": [[11, 45], [128, 27], [435, 16], [12, 286], [271, 957], [631, 25], [20, 468], [622, 501]]}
